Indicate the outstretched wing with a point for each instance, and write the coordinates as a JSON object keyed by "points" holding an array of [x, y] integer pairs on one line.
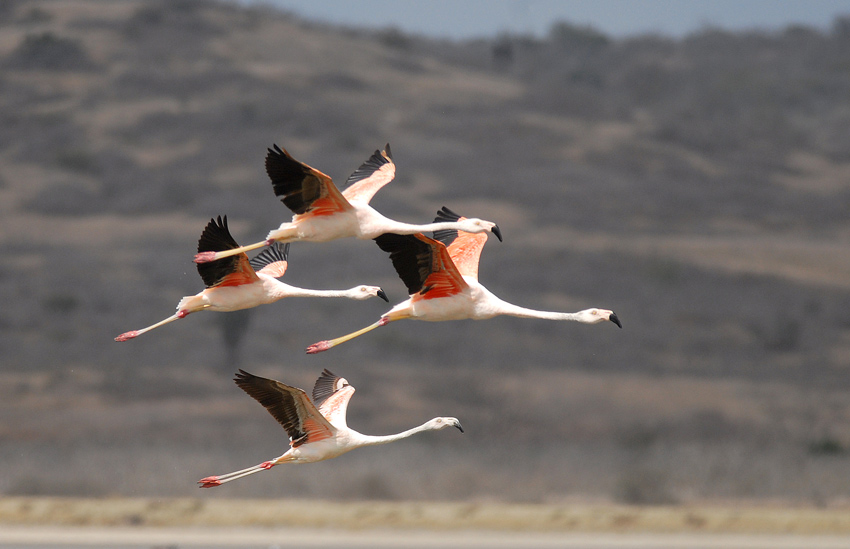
{"points": [[331, 394], [273, 260], [370, 176], [464, 248], [301, 188], [290, 406], [230, 271], [423, 264]]}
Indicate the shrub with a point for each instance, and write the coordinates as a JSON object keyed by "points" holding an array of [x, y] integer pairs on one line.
{"points": [[47, 51]]}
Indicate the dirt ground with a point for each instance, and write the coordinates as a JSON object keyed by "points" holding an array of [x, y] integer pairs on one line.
{"points": [[734, 518]]}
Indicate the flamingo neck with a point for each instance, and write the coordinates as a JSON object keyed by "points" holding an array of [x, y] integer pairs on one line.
{"points": [[409, 228], [505, 308], [279, 290], [372, 440]]}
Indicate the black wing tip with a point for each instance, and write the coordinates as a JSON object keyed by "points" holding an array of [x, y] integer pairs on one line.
{"points": [[446, 236], [274, 253], [324, 387], [445, 214], [388, 151], [372, 164], [218, 222], [242, 376]]}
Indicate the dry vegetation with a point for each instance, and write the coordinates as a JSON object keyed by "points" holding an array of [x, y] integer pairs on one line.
{"points": [[698, 187]]}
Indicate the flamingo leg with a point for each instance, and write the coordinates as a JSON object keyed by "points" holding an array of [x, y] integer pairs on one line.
{"points": [[327, 344], [136, 333], [286, 233], [206, 257], [218, 480]]}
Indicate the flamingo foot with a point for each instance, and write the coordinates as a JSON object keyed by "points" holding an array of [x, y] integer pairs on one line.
{"points": [[384, 321], [267, 465], [182, 314], [127, 335], [209, 482], [204, 257], [318, 347]]}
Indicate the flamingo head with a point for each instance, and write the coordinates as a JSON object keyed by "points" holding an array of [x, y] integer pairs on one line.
{"points": [[366, 292], [475, 225], [592, 316], [439, 423]]}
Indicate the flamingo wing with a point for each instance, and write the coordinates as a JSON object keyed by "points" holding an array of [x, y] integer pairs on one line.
{"points": [[301, 188], [464, 248], [230, 271], [423, 264], [331, 395], [368, 179], [272, 261], [290, 406]]}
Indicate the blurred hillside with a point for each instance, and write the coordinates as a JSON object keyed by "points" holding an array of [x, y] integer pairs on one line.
{"points": [[697, 187]]}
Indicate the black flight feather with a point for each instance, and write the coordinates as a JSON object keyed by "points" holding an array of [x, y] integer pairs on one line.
{"points": [[412, 259], [274, 253], [325, 386], [446, 236], [293, 182], [275, 398], [375, 162], [216, 238]]}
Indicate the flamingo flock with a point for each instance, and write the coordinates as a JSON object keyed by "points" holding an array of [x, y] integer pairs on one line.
{"points": [[241, 284], [440, 273]]}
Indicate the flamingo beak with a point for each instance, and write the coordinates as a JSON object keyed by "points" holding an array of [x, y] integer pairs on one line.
{"points": [[459, 426], [382, 295], [613, 318], [495, 230]]}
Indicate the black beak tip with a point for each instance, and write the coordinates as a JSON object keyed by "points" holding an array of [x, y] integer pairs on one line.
{"points": [[613, 318], [496, 231], [459, 427], [383, 295]]}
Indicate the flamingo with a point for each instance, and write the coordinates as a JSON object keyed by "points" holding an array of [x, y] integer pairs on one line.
{"points": [[324, 213], [442, 279], [317, 430], [241, 284]]}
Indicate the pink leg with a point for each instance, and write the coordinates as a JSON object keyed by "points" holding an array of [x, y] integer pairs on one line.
{"points": [[327, 344], [204, 257], [127, 335], [319, 347], [209, 482]]}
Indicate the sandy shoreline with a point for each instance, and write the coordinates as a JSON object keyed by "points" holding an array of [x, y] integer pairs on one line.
{"points": [[312, 514]]}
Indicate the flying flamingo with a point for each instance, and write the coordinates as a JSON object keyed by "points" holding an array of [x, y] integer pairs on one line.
{"points": [[317, 430], [241, 284], [443, 283], [324, 213]]}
